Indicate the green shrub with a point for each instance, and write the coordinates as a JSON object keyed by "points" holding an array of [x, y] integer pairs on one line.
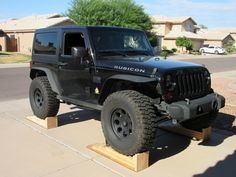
{"points": [[229, 47], [164, 53], [174, 50], [184, 42]]}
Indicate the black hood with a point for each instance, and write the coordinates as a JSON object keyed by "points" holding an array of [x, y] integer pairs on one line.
{"points": [[143, 65]]}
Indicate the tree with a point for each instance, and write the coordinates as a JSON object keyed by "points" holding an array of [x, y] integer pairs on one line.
{"points": [[124, 13], [203, 26], [184, 42]]}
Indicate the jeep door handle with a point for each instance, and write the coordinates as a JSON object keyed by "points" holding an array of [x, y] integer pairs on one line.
{"points": [[62, 64]]}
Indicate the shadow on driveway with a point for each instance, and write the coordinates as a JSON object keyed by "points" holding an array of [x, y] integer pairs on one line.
{"points": [[166, 144], [77, 116], [225, 168]]}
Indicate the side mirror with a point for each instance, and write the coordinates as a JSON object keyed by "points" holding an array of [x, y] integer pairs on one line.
{"points": [[79, 52]]}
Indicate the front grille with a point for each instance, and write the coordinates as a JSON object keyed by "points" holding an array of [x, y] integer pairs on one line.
{"points": [[190, 84]]}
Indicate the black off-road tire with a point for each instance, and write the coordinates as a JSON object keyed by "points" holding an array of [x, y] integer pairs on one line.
{"points": [[43, 100], [200, 122], [141, 122]]}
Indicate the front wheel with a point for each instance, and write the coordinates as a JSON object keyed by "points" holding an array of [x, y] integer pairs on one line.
{"points": [[216, 52], [43, 100], [129, 122]]}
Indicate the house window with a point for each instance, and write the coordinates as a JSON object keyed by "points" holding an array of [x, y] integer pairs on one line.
{"points": [[73, 40], [189, 28], [45, 43]]}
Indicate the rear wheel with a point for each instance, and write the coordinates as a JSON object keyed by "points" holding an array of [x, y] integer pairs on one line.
{"points": [[200, 122], [202, 51], [129, 122], [43, 100]]}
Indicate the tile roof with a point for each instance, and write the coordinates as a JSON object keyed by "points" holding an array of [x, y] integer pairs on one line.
{"points": [[190, 35], [174, 20], [234, 36], [210, 34], [229, 30], [33, 22]]}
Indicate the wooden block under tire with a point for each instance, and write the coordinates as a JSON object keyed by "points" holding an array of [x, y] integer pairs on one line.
{"points": [[48, 123], [136, 163], [198, 135]]}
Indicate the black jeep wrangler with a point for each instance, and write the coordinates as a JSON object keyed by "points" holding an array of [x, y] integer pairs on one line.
{"points": [[114, 70]]}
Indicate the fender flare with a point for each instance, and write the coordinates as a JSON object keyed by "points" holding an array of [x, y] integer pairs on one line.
{"points": [[52, 78], [122, 77]]}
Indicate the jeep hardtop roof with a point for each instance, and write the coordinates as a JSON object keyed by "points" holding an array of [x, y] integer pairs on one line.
{"points": [[74, 27]]}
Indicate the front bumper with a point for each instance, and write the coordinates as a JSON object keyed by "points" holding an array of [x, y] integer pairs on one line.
{"points": [[189, 109]]}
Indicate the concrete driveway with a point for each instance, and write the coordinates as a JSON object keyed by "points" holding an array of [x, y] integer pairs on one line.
{"points": [[28, 150]]}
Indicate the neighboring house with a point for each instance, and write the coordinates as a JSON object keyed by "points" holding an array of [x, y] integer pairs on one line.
{"points": [[169, 29], [216, 37], [17, 34]]}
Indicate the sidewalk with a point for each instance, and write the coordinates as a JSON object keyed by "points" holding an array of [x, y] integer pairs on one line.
{"points": [[14, 65], [205, 56]]}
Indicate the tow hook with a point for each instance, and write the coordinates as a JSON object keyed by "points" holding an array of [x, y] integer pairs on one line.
{"points": [[187, 100]]}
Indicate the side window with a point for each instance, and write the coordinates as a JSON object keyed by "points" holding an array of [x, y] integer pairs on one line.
{"points": [[45, 43], [73, 40]]}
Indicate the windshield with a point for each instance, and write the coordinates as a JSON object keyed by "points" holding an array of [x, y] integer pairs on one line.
{"points": [[118, 41]]}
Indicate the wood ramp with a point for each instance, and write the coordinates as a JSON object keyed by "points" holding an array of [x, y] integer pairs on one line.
{"points": [[48, 123], [136, 163]]}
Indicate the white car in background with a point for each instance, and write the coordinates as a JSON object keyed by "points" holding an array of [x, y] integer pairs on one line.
{"points": [[212, 49]]}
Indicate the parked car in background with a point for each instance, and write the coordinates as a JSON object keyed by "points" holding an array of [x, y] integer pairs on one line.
{"points": [[212, 49]]}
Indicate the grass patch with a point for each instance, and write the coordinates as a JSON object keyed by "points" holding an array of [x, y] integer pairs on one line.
{"points": [[12, 57]]}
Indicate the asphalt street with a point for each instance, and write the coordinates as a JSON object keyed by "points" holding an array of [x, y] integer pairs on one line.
{"points": [[217, 64], [14, 82]]}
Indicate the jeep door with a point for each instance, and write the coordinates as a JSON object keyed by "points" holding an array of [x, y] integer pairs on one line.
{"points": [[75, 78]]}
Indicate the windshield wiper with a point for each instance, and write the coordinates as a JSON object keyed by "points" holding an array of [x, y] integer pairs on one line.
{"points": [[110, 52]]}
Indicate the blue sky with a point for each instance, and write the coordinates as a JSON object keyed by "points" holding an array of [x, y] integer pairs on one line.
{"points": [[211, 13]]}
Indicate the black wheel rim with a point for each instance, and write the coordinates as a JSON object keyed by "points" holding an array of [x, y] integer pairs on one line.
{"points": [[121, 123], [38, 98]]}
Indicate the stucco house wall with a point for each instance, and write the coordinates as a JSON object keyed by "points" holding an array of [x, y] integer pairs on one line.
{"points": [[159, 29], [24, 41], [171, 43], [213, 42], [3, 43], [177, 28], [197, 44]]}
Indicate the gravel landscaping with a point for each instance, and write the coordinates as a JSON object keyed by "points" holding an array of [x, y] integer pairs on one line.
{"points": [[227, 117]]}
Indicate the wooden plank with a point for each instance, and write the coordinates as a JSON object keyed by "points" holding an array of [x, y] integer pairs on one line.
{"points": [[48, 123], [198, 135], [136, 163]]}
